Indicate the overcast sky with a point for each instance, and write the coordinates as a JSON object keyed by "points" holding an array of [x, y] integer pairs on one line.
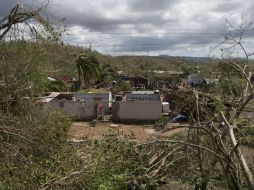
{"points": [[153, 27]]}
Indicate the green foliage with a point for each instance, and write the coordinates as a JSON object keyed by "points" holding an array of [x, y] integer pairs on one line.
{"points": [[33, 141], [188, 69], [112, 163], [108, 74], [141, 64], [119, 166], [125, 86], [247, 135], [34, 148], [88, 68], [232, 86], [23, 72], [163, 120], [56, 86]]}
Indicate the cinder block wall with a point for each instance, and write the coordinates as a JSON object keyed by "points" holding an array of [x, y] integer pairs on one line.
{"points": [[100, 98], [81, 110], [142, 111]]}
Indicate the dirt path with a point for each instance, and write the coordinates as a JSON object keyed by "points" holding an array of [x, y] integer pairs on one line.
{"points": [[81, 130]]}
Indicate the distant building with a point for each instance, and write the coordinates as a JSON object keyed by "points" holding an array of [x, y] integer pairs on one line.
{"points": [[167, 72], [197, 80], [64, 78], [72, 82], [138, 82]]}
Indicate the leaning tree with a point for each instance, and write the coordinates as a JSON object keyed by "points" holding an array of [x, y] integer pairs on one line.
{"points": [[88, 69]]}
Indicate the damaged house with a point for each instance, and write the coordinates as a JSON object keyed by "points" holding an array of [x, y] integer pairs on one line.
{"points": [[197, 80], [139, 106], [81, 106]]}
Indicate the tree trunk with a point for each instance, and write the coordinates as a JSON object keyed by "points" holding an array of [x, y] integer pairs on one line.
{"points": [[246, 170]]}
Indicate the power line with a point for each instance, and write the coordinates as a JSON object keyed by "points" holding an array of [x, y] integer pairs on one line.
{"points": [[153, 44], [210, 33], [139, 32]]}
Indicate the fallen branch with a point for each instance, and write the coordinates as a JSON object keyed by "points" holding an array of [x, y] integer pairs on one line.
{"points": [[181, 142], [247, 172], [54, 182]]}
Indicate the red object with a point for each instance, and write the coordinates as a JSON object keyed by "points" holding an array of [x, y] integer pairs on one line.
{"points": [[101, 107]]}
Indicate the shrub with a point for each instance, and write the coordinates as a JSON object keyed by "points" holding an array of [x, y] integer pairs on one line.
{"points": [[34, 148]]}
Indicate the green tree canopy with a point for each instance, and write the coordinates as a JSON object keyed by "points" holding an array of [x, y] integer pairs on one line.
{"points": [[88, 69], [108, 73]]}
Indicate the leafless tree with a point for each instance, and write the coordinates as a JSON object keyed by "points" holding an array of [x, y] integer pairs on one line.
{"points": [[33, 18], [211, 140]]}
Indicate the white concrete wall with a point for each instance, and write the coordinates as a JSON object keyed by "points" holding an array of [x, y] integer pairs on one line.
{"points": [[101, 98], [127, 111], [81, 110]]}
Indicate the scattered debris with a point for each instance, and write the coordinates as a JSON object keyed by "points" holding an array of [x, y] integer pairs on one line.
{"points": [[179, 118], [93, 123]]}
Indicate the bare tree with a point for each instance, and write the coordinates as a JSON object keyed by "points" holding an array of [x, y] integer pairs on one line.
{"points": [[211, 145], [31, 17]]}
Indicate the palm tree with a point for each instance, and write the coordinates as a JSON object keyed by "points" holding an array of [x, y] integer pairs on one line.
{"points": [[108, 74], [88, 69]]}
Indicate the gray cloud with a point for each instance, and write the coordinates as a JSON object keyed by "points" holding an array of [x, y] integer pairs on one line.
{"points": [[6, 6], [225, 6], [99, 19], [177, 26], [150, 5]]}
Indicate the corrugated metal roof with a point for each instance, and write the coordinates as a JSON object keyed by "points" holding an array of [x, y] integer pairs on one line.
{"points": [[51, 97], [142, 92]]}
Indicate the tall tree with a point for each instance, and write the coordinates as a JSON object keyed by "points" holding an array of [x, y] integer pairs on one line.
{"points": [[108, 74], [88, 69]]}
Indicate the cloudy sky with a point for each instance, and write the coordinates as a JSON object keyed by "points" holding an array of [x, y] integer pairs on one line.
{"points": [[149, 27]]}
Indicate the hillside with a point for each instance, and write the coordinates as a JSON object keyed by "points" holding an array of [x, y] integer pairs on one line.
{"points": [[61, 61]]}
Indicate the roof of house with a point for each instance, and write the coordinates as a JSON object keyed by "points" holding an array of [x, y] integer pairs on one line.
{"points": [[143, 92]]}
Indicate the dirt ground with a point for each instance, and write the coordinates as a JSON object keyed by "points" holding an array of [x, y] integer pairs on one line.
{"points": [[81, 130]]}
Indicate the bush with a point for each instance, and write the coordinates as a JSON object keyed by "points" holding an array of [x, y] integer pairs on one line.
{"points": [[125, 86], [56, 86], [112, 163], [34, 148], [116, 165]]}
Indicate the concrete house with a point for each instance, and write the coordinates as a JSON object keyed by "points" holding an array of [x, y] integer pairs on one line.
{"points": [[104, 98], [139, 106], [80, 105]]}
